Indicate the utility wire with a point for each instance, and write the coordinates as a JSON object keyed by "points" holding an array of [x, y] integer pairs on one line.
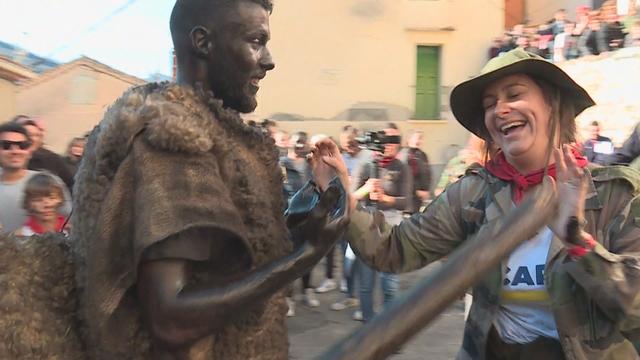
{"points": [[95, 26]]}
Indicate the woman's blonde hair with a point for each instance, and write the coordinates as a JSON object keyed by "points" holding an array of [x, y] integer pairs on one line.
{"points": [[562, 112]]}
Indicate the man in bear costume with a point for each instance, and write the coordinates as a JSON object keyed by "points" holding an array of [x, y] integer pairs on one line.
{"points": [[179, 237]]}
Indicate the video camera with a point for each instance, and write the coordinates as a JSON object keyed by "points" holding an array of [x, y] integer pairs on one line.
{"points": [[376, 140]]}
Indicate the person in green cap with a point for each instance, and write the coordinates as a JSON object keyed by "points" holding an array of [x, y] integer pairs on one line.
{"points": [[563, 294]]}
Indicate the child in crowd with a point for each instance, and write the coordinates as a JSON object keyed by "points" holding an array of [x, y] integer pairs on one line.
{"points": [[43, 198]]}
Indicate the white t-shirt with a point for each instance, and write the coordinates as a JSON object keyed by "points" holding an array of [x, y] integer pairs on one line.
{"points": [[525, 312], [12, 214], [26, 231]]}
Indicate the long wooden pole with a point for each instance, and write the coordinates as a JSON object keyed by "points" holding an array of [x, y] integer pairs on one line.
{"points": [[466, 266]]}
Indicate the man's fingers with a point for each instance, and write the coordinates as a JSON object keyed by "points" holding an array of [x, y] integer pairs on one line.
{"points": [[319, 216], [336, 227], [328, 200], [340, 223]]}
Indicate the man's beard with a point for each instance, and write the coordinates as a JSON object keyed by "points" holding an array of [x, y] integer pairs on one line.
{"points": [[239, 100], [233, 92]]}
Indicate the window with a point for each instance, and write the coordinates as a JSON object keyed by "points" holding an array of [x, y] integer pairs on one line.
{"points": [[428, 83]]}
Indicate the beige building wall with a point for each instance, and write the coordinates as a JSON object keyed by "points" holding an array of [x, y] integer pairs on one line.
{"points": [[71, 103], [11, 74], [612, 80], [334, 55], [7, 100]]}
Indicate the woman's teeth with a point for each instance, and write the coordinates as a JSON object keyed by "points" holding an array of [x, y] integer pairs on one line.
{"points": [[506, 128]]}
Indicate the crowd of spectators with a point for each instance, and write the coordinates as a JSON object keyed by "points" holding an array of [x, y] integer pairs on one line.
{"points": [[36, 193], [394, 178], [36, 185], [35, 182], [570, 36]]}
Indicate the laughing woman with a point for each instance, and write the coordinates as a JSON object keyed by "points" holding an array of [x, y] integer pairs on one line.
{"points": [[550, 299]]}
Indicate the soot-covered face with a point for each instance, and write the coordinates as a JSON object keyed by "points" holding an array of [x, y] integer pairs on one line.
{"points": [[240, 58]]}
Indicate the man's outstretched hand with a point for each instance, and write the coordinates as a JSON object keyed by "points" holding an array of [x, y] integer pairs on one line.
{"points": [[319, 230]]}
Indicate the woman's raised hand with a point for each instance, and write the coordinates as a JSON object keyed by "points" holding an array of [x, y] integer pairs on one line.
{"points": [[327, 162], [572, 190]]}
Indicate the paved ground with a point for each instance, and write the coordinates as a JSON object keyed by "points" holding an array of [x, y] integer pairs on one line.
{"points": [[313, 330]]}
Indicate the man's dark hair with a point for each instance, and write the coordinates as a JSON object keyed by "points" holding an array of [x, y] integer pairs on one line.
{"points": [[268, 123], [188, 14], [350, 130], [391, 125], [19, 118], [26, 121], [14, 127], [300, 137]]}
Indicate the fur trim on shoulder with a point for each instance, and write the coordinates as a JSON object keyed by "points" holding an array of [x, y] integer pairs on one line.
{"points": [[179, 121], [38, 299]]}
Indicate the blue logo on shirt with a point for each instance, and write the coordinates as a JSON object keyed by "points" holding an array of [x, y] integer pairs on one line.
{"points": [[523, 276]]}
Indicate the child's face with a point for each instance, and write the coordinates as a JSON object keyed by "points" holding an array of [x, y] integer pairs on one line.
{"points": [[45, 207]]}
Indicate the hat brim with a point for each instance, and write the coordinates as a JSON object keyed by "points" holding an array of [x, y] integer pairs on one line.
{"points": [[466, 98]]}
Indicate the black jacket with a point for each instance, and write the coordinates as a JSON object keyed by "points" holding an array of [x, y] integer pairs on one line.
{"points": [[629, 150], [43, 159]]}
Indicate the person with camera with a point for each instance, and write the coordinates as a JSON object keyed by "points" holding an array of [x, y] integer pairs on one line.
{"points": [[385, 184], [571, 290], [418, 162], [297, 173]]}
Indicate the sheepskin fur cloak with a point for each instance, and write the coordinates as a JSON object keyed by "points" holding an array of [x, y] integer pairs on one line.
{"points": [[168, 160], [38, 299]]}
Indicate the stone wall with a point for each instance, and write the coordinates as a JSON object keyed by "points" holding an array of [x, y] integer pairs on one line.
{"points": [[613, 80]]}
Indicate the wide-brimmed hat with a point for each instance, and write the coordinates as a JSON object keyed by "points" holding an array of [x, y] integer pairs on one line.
{"points": [[466, 98]]}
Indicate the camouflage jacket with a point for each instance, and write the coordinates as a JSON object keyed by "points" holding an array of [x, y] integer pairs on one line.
{"points": [[595, 300], [457, 166]]}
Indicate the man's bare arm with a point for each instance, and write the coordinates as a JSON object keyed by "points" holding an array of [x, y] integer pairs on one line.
{"points": [[177, 316]]}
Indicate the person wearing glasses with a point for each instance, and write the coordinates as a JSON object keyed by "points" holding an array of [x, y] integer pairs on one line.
{"points": [[15, 153], [43, 159]]}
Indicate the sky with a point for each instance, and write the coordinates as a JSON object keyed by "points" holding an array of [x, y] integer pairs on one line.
{"points": [[129, 35]]}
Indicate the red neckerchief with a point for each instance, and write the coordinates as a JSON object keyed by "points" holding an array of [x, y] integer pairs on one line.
{"points": [[38, 229], [385, 161], [500, 168]]}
